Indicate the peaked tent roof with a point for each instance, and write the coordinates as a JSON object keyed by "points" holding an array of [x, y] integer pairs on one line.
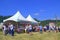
{"points": [[29, 18], [17, 17]]}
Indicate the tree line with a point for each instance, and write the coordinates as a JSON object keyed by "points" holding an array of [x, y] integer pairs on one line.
{"points": [[3, 18], [43, 23]]}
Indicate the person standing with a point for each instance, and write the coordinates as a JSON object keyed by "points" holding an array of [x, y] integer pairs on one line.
{"points": [[40, 27], [26, 29], [59, 29], [34, 29], [30, 29], [11, 29], [5, 29], [48, 28], [56, 29], [45, 28]]}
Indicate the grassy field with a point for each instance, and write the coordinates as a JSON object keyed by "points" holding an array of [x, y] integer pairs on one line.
{"points": [[35, 36]]}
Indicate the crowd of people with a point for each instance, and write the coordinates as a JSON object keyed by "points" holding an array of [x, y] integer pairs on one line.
{"points": [[49, 29], [8, 29], [29, 29], [42, 29]]}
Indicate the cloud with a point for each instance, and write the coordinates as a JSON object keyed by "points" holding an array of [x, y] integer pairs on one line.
{"points": [[36, 14]]}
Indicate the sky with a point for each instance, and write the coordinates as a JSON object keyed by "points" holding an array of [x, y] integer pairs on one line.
{"points": [[39, 9]]}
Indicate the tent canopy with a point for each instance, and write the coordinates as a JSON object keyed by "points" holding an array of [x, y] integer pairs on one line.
{"points": [[17, 17], [29, 18]]}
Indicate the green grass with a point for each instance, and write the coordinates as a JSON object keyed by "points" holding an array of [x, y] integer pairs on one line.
{"points": [[35, 36]]}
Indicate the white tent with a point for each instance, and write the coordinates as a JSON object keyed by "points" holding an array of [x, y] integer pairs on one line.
{"points": [[17, 17], [29, 18]]}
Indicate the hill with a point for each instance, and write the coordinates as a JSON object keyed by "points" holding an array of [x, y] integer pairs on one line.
{"points": [[46, 22]]}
